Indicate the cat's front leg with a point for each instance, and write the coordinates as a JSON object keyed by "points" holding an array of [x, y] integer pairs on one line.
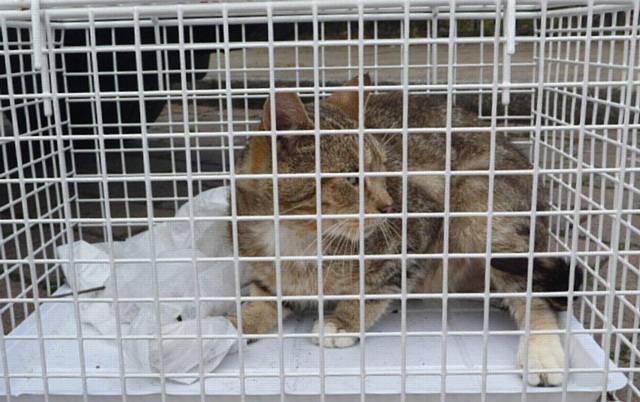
{"points": [[544, 351], [381, 277], [259, 317], [346, 319]]}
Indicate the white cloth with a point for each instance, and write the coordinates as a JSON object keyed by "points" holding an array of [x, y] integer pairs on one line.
{"points": [[171, 240]]}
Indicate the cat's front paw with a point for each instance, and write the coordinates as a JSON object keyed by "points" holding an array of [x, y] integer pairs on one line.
{"points": [[545, 353], [232, 319], [332, 327]]}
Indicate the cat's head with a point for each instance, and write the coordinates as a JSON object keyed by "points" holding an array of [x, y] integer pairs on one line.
{"points": [[339, 153]]}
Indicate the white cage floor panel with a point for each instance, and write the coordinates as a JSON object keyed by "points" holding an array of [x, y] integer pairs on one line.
{"points": [[301, 361]]}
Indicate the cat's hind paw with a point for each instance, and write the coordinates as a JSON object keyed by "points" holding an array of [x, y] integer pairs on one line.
{"points": [[332, 327], [545, 353]]}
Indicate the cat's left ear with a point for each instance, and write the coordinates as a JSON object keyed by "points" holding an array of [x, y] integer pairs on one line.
{"points": [[348, 100]]}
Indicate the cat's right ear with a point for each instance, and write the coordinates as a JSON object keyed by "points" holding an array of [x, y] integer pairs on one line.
{"points": [[290, 115]]}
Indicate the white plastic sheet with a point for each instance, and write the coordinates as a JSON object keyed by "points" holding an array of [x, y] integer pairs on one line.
{"points": [[90, 267]]}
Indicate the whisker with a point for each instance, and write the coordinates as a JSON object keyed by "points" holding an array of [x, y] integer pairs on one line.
{"points": [[334, 244], [393, 229], [385, 234]]}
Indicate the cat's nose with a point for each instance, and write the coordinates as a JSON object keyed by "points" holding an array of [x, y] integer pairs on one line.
{"points": [[387, 209]]}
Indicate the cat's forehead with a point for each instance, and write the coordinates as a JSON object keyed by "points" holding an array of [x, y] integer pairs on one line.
{"points": [[340, 152], [331, 117]]}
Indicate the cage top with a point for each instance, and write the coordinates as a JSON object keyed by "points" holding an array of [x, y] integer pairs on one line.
{"points": [[25, 6]]}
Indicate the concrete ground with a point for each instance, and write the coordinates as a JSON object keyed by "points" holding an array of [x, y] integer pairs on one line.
{"points": [[474, 63], [206, 117]]}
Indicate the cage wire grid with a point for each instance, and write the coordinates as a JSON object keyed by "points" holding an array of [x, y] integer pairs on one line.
{"points": [[160, 126]]}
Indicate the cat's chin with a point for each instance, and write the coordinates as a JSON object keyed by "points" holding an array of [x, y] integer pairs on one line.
{"points": [[352, 232]]}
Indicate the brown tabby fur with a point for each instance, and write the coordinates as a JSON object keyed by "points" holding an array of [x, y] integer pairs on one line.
{"points": [[426, 193]]}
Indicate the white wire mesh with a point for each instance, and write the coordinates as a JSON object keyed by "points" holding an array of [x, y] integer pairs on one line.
{"points": [[138, 109]]}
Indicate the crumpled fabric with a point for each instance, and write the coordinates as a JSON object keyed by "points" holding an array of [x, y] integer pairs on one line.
{"points": [[171, 240]]}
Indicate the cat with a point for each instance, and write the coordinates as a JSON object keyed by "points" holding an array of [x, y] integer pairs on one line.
{"points": [[339, 153]]}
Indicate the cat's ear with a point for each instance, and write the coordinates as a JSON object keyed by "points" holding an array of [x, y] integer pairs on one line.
{"points": [[348, 100], [290, 115]]}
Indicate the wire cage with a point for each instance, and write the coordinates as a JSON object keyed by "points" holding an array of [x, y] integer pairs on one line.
{"points": [[120, 122]]}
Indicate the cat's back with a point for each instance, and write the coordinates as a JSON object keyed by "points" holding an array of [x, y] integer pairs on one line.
{"points": [[424, 111], [427, 150]]}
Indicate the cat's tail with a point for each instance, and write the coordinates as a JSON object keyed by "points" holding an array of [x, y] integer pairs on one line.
{"points": [[550, 274]]}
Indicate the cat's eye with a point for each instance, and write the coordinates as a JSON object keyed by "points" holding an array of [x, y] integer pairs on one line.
{"points": [[353, 181]]}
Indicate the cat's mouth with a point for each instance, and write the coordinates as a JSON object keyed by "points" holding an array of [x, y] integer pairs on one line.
{"points": [[350, 229]]}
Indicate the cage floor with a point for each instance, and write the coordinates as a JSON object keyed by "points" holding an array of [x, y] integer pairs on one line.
{"points": [[301, 362]]}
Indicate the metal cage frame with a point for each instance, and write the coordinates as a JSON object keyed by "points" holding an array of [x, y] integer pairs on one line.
{"points": [[102, 151]]}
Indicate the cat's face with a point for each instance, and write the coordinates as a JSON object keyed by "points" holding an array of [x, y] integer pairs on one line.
{"points": [[339, 153], [340, 195]]}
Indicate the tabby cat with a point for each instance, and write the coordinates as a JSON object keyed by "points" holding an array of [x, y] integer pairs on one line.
{"points": [[383, 195]]}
